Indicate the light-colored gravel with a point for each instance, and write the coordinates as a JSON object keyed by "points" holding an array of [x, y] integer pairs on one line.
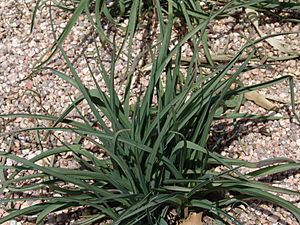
{"points": [[46, 93]]}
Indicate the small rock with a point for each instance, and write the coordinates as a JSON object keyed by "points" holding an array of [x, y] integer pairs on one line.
{"points": [[273, 219], [61, 218], [298, 142], [13, 222]]}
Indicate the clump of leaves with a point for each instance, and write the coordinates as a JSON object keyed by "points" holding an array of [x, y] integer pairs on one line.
{"points": [[157, 147], [102, 12]]}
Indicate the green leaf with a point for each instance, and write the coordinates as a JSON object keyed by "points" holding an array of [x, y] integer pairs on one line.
{"points": [[50, 208]]}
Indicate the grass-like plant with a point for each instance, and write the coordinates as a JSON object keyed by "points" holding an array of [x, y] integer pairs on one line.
{"points": [[158, 158], [114, 11]]}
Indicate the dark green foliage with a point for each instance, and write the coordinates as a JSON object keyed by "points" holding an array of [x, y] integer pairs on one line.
{"points": [[158, 153]]}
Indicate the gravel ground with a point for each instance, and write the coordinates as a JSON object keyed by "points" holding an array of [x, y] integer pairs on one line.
{"points": [[257, 141]]}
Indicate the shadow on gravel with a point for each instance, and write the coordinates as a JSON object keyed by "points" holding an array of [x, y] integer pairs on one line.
{"points": [[279, 176], [224, 134], [266, 210]]}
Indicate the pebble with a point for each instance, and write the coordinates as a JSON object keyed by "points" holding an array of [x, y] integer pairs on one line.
{"points": [[272, 219], [298, 142]]}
